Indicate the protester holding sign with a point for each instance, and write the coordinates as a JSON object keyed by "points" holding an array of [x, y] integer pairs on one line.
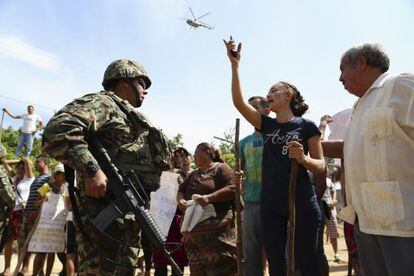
{"points": [[182, 166], [31, 210], [49, 236]]}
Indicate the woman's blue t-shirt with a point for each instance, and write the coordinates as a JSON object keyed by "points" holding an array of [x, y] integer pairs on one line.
{"points": [[276, 162]]}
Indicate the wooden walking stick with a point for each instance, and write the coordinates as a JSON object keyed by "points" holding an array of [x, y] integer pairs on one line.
{"points": [[292, 217], [238, 203]]}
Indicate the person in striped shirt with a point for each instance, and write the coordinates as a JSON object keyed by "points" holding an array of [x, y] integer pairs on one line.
{"points": [[31, 211]]}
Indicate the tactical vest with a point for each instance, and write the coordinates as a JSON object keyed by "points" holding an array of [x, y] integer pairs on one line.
{"points": [[149, 154], [7, 195]]}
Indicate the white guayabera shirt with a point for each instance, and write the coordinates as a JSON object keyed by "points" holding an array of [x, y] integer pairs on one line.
{"points": [[379, 158]]}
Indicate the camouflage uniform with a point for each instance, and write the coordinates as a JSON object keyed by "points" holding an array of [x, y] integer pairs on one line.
{"points": [[125, 133], [7, 194]]}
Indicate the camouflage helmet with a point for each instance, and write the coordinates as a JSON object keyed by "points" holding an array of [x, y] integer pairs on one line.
{"points": [[125, 69]]}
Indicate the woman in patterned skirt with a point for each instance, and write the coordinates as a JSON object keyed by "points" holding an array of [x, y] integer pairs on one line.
{"points": [[210, 246]]}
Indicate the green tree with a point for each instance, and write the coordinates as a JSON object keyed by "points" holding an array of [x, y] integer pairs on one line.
{"points": [[230, 159], [228, 145], [177, 141], [10, 138]]}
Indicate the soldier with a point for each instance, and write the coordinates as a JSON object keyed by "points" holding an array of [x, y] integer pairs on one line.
{"points": [[132, 143], [7, 198]]}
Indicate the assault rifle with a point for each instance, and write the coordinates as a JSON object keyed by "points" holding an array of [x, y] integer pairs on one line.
{"points": [[127, 200]]}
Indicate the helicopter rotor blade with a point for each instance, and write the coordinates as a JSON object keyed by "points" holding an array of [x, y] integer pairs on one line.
{"points": [[192, 12], [182, 18], [207, 13]]}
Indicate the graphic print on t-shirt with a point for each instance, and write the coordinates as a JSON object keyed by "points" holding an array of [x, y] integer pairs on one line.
{"points": [[282, 138], [251, 159]]}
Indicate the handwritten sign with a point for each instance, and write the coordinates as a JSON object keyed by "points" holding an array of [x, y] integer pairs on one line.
{"points": [[50, 234], [164, 201]]}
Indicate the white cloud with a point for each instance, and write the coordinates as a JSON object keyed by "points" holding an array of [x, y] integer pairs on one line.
{"points": [[14, 47]]}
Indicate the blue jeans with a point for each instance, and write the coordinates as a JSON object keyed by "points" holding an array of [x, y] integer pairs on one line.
{"points": [[274, 229], [385, 255], [25, 139], [252, 239]]}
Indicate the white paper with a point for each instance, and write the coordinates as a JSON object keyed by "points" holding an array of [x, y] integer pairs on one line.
{"points": [[164, 201], [339, 124], [338, 127], [50, 234], [195, 213]]}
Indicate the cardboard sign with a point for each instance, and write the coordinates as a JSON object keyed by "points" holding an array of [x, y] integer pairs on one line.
{"points": [[164, 201], [50, 234]]}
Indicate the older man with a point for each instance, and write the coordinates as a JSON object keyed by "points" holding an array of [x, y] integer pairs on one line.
{"points": [[378, 150]]}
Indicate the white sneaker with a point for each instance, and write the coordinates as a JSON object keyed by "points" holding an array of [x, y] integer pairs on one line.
{"points": [[336, 258]]}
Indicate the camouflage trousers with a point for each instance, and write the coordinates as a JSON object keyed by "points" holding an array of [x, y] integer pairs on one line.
{"points": [[95, 252]]}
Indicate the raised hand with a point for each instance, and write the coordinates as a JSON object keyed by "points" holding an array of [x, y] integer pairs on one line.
{"points": [[326, 119], [230, 45]]}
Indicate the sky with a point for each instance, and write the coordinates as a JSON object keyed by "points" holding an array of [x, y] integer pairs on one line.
{"points": [[52, 52]]}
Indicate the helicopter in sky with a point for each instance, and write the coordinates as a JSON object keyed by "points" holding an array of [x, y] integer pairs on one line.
{"points": [[195, 23]]}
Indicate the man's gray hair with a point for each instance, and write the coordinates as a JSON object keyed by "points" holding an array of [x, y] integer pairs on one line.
{"points": [[374, 54]]}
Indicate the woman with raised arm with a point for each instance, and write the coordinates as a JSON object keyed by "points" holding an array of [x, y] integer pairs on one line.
{"points": [[286, 137], [22, 179]]}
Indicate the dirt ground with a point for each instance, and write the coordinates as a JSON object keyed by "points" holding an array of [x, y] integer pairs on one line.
{"points": [[336, 269]]}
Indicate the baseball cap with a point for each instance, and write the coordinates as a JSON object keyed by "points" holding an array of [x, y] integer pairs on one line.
{"points": [[59, 168]]}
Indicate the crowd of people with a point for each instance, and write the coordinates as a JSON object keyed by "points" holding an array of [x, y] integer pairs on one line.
{"points": [[374, 168], [22, 220]]}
